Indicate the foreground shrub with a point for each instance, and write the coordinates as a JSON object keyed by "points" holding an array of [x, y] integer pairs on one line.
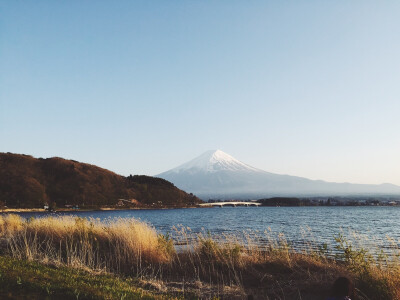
{"points": [[122, 246], [377, 280]]}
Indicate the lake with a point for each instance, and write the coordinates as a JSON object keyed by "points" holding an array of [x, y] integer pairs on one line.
{"points": [[369, 226]]}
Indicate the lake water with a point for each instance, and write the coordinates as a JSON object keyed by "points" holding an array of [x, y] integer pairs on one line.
{"points": [[300, 225]]}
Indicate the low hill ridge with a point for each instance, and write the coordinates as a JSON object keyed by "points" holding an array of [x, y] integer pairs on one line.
{"points": [[28, 182]]}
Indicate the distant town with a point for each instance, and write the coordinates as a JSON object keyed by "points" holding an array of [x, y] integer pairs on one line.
{"points": [[321, 201]]}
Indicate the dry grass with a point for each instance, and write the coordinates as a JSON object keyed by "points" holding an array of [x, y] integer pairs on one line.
{"points": [[263, 265], [121, 246]]}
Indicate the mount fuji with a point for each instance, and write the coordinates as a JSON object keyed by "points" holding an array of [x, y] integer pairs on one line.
{"points": [[216, 174]]}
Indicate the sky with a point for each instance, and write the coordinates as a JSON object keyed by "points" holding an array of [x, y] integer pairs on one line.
{"points": [[306, 88]]}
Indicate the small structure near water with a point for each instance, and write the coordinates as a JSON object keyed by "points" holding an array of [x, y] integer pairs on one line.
{"points": [[229, 203]]}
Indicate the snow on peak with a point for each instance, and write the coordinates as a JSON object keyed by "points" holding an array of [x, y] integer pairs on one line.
{"points": [[213, 161]]}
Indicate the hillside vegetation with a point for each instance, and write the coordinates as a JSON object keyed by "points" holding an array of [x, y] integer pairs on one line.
{"points": [[27, 182]]}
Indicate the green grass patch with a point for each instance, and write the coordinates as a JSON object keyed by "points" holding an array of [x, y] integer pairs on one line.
{"points": [[21, 279]]}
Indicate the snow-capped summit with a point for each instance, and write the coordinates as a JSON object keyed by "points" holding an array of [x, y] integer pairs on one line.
{"points": [[213, 161], [218, 174]]}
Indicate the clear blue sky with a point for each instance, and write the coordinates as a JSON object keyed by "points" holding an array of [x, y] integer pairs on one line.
{"points": [[307, 88]]}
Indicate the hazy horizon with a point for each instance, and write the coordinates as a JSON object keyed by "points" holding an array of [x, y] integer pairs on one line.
{"points": [[304, 89]]}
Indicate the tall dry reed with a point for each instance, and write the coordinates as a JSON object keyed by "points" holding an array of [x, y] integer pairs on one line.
{"points": [[122, 246]]}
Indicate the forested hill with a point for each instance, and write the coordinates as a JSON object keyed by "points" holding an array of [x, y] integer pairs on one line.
{"points": [[27, 182]]}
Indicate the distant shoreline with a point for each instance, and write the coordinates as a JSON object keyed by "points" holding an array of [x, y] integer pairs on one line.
{"points": [[24, 210], [17, 210]]}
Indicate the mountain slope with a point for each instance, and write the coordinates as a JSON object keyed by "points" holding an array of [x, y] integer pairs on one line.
{"points": [[29, 182], [217, 174], [214, 161]]}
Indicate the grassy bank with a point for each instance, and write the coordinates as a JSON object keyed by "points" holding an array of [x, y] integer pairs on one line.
{"points": [[22, 279], [121, 258]]}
